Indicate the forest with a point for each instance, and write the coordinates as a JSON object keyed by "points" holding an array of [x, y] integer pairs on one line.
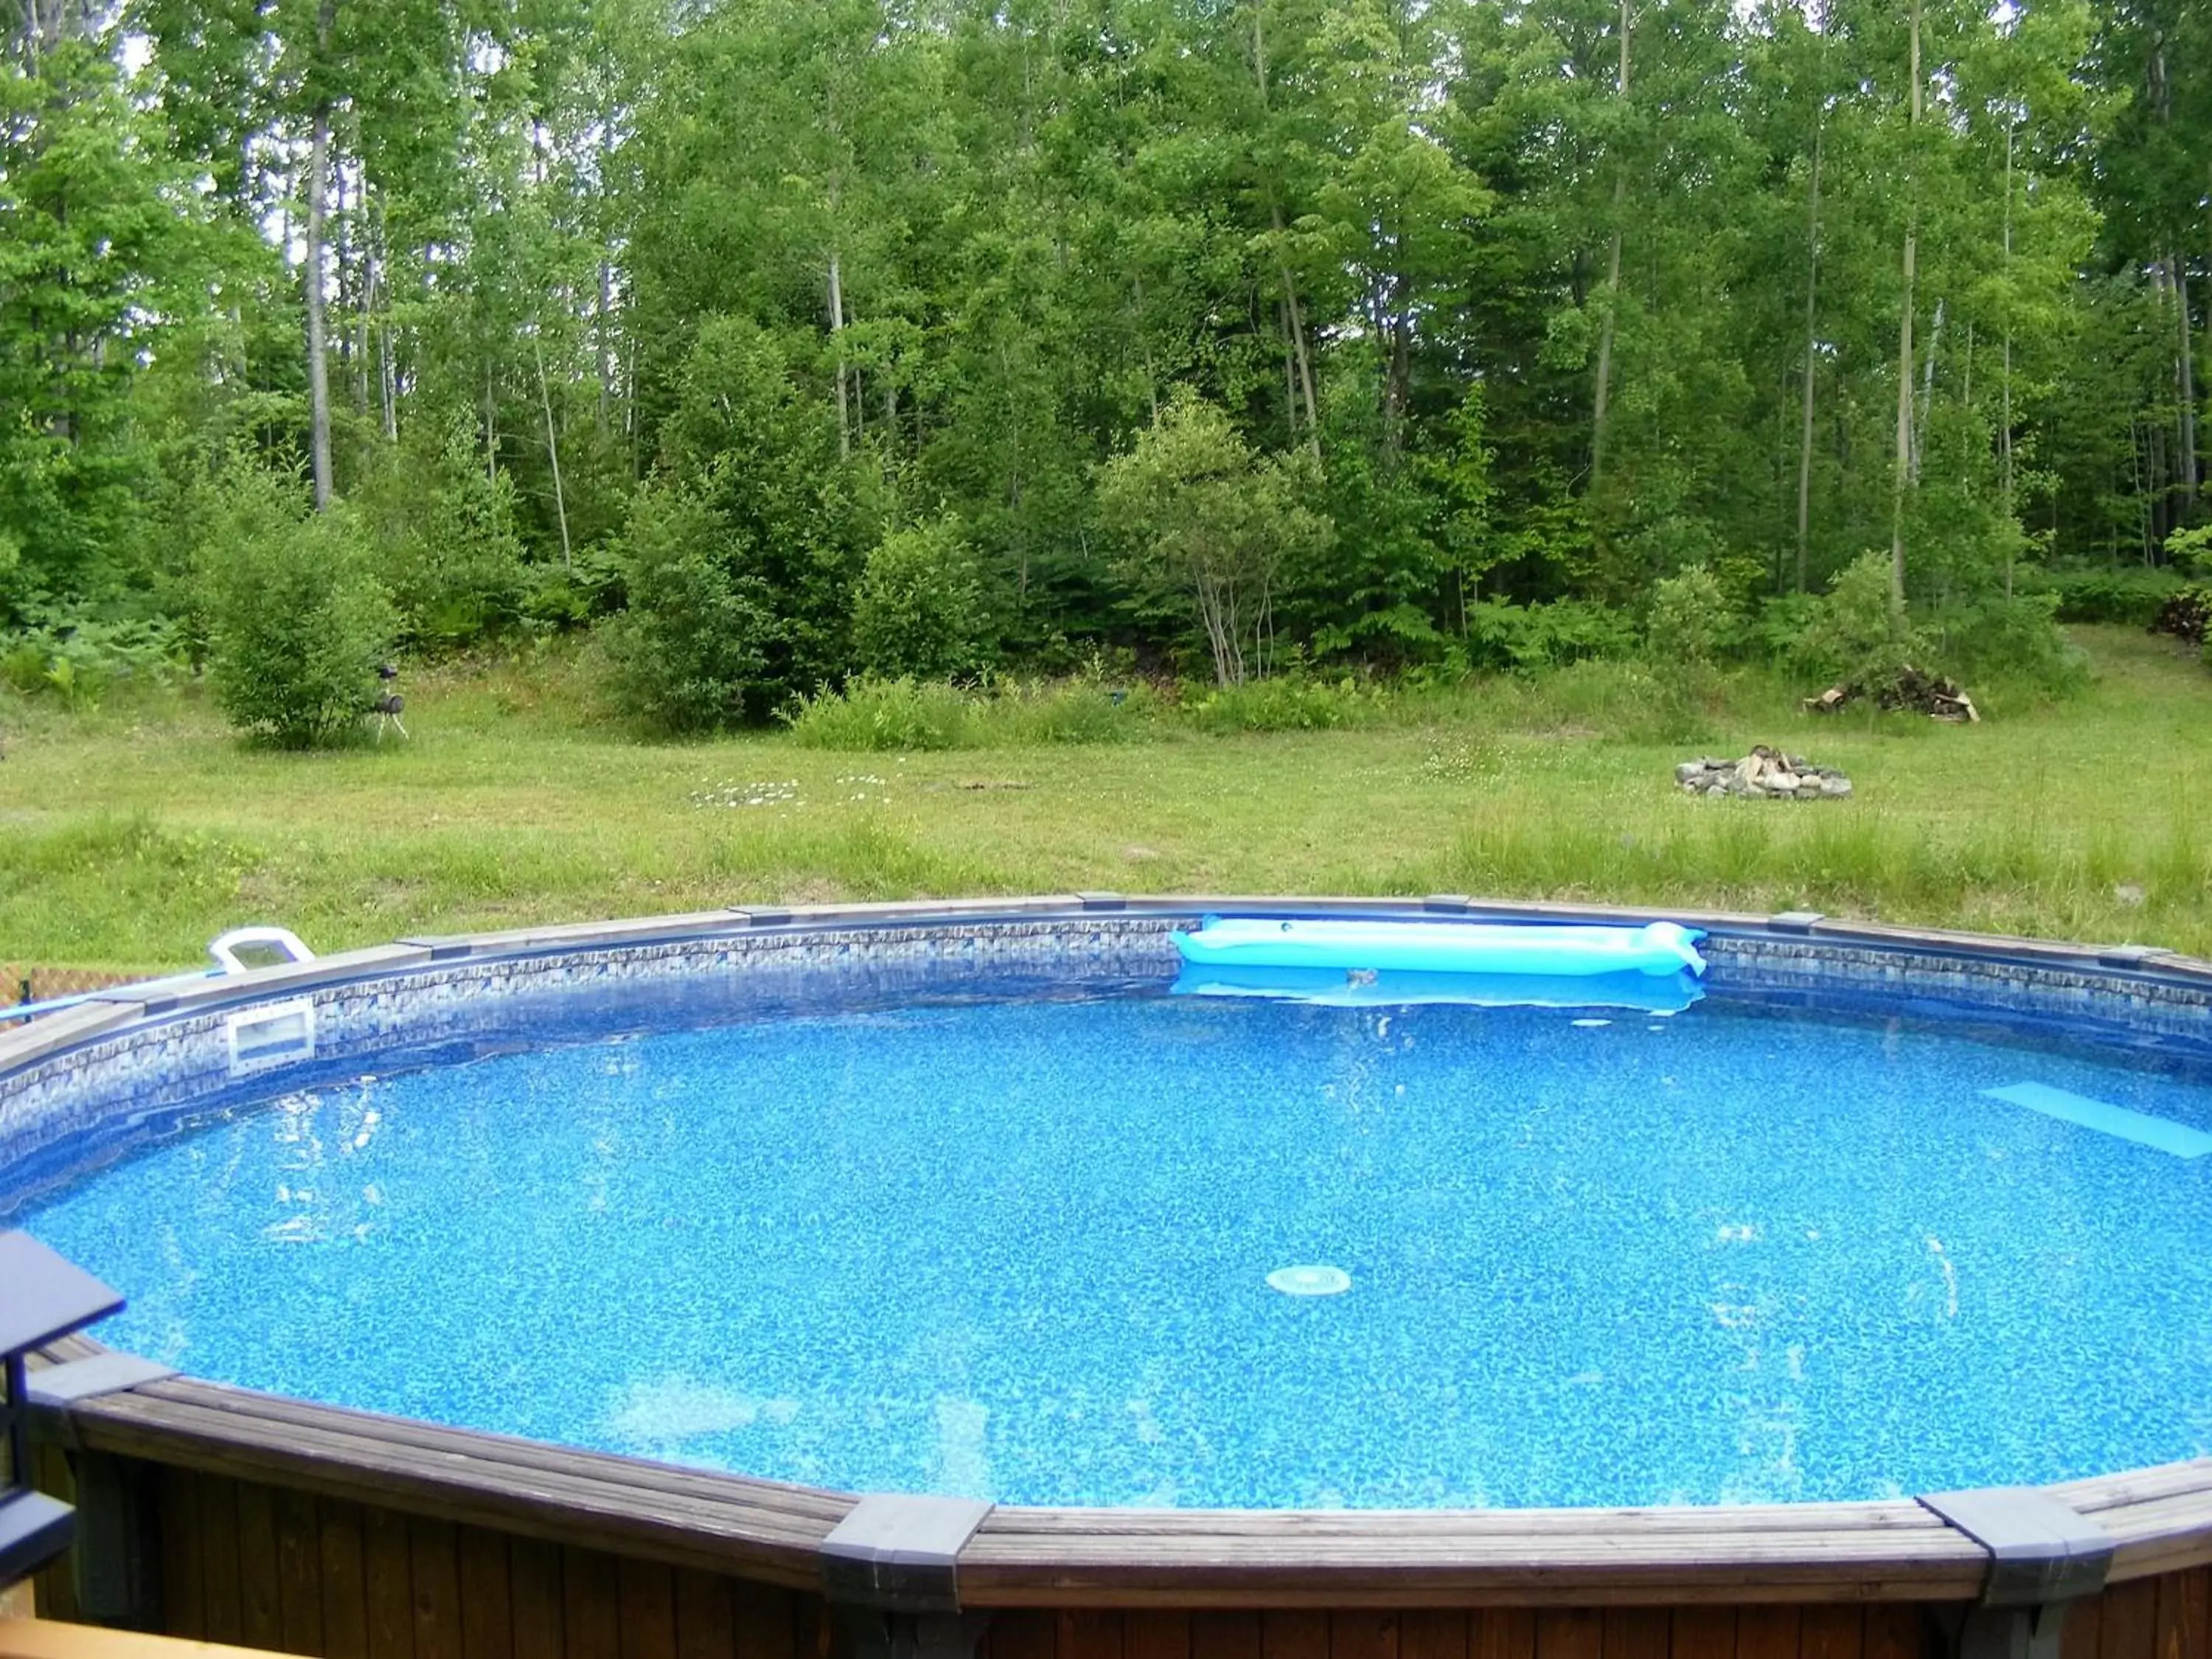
{"points": [[769, 347]]}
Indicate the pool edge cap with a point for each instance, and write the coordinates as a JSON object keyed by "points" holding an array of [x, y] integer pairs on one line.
{"points": [[2041, 1550], [899, 1552]]}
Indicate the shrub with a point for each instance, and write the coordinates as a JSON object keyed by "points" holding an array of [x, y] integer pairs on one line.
{"points": [[693, 644], [1081, 711], [2132, 596], [77, 658], [1285, 703], [2190, 551], [872, 716], [2013, 643], [919, 611], [1853, 637], [1531, 637], [296, 618], [455, 561], [1692, 620], [1208, 525]]}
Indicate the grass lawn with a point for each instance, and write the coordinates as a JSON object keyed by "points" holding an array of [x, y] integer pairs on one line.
{"points": [[132, 836]]}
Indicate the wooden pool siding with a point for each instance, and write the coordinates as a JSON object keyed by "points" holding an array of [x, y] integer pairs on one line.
{"points": [[298, 1567], [268, 1566]]}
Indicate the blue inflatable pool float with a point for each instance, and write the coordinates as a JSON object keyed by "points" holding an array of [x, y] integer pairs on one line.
{"points": [[1443, 947], [1383, 987]]}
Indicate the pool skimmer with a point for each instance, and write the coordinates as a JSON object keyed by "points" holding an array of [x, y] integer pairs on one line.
{"points": [[1310, 1281]]}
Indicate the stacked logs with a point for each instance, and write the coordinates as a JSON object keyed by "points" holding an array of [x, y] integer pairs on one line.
{"points": [[1913, 691]]}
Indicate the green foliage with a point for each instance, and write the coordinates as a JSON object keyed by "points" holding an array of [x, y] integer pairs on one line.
{"points": [[1527, 637], [2129, 594], [296, 618], [2188, 550], [1206, 525], [2014, 644], [1072, 711], [1288, 702], [919, 612], [1692, 619], [872, 716], [452, 556], [689, 652], [1855, 637], [77, 658], [1419, 336]]}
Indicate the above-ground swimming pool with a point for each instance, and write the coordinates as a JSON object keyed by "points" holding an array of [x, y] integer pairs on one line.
{"points": [[1043, 1232], [515, 1267]]}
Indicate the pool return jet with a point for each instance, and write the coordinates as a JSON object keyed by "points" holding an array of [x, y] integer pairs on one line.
{"points": [[1653, 968]]}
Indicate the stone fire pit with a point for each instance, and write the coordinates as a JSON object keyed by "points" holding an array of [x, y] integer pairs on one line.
{"points": [[1767, 773]]}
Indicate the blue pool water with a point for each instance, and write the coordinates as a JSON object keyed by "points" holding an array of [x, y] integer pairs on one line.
{"points": [[1022, 1251]]}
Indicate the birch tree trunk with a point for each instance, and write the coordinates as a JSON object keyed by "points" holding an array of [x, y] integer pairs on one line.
{"points": [[1612, 280], [318, 383], [1805, 428], [2004, 384], [837, 332], [1297, 316], [2185, 374], [1904, 471], [552, 447]]}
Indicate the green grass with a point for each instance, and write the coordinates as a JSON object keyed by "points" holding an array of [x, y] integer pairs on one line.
{"points": [[131, 835]]}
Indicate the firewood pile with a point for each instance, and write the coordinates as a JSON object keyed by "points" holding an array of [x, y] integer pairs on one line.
{"points": [[1913, 691]]}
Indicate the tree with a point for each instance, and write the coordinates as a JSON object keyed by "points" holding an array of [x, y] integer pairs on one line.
{"points": [[1208, 524]]}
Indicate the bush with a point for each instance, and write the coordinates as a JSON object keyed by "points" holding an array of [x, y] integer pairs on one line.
{"points": [[296, 618], [77, 658], [870, 715], [1853, 638], [2133, 596], [1080, 711], [2012, 642], [453, 557], [919, 611], [2189, 550], [1286, 703], [1531, 637], [692, 646], [1692, 619]]}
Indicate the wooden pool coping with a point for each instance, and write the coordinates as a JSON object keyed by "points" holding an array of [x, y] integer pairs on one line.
{"points": [[1894, 1549]]}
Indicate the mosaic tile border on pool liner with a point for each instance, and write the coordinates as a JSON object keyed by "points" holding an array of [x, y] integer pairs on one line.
{"points": [[129, 1074]]}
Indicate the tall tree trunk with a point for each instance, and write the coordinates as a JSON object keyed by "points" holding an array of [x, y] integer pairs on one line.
{"points": [[1296, 314], [2185, 375], [1805, 428], [1145, 344], [387, 371], [1904, 461], [1298, 336], [319, 384], [837, 332], [1612, 280], [2004, 385], [552, 446], [604, 344], [1926, 400], [603, 330]]}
